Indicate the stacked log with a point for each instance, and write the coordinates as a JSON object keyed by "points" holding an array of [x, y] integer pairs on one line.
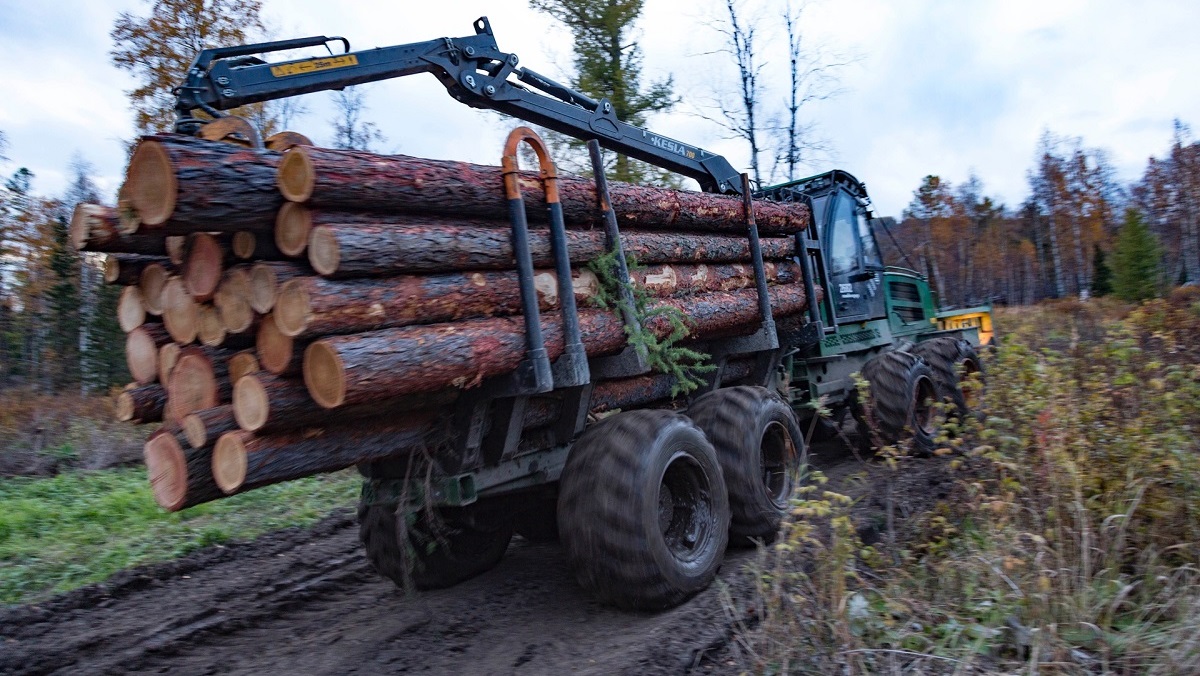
{"points": [[292, 313]]}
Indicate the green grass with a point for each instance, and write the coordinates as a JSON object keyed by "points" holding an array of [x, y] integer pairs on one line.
{"points": [[80, 527]]}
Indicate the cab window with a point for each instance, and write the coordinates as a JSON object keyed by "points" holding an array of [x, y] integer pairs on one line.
{"points": [[870, 251], [843, 237]]}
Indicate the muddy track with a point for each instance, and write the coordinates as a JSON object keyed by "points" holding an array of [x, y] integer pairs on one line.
{"points": [[306, 602]]}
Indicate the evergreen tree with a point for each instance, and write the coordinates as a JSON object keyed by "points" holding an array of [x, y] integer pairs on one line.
{"points": [[64, 316], [608, 64], [105, 346], [1102, 282], [1137, 265]]}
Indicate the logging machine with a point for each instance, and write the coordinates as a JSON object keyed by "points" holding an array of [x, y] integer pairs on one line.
{"points": [[882, 322]]}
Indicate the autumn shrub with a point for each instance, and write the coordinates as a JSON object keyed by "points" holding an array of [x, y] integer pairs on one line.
{"points": [[43, 434], [1069, 544]]}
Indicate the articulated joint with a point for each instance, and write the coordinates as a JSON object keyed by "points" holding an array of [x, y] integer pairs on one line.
{"points": [[509, 164]]}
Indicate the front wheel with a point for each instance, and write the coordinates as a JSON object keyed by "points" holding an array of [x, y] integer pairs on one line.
{"points": [[899, 406], [643, 511]]}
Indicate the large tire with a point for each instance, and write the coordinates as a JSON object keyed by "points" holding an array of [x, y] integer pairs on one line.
{"points": [[424, 554], [947, 357], [761, 450], [899, 405], [643, 511]]}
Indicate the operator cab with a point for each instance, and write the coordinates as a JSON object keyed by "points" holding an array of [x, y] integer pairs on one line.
{"points": [[841, 216]]}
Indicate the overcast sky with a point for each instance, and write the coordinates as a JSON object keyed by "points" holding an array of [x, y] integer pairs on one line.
{"points": [[936, 86]]}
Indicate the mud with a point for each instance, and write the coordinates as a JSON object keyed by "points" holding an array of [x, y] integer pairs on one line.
{"points": [[306, 602]]}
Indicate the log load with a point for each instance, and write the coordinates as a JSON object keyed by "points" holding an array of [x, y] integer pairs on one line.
{"points": [[361, 181], [127, 269], [313, 306], [295, 222], [232, 301], [265, 280], [143, 404], [203, 265], [142, 346], [199, 380], [242, 364], [278, 354], [180, 478], [355, 368], [180, 185], [181, 312], [131, 309], [152, 282], [380, 249], [98, 228], [202, 428]]}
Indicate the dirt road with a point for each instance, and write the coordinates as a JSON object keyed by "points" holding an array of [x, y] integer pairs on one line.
{"points": [[306, 602]]}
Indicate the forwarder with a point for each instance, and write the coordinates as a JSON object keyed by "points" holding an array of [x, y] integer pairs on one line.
{"points": [[644, 500]]}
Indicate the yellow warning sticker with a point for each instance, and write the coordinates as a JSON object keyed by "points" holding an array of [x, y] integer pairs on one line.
{"points": [[313, 65]]}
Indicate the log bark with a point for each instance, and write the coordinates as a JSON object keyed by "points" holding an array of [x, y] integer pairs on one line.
{"points": [[180, 185], [313, 306], [98, 228], [380, 249], [181, 314], [143, 404], [265, 280], [242, 460], [294, 224], [141, 351], [352, 369], [345, 179], [203, 265], [199, 380], [180, 478], [153, 280], [202, 428], [278, 354]]}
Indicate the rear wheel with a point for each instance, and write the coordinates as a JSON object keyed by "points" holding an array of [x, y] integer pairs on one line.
{"points": [[425, 552], [952, 360], [643, 511], [899, 406], [761, 450]]}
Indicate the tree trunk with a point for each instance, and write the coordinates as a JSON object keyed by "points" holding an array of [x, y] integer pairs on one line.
{"points": [[142, 404], [363, 250], [180, 185], [203, 427], [242, 461], [179, 478], [356, 180], [357, 368], [141, 351], [97, 228]]}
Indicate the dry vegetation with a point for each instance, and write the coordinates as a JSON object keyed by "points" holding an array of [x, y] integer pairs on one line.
{"points": [[1069, 537], [43, 434]]}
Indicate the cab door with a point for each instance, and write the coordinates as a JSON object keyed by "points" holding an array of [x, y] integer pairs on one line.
{"points": [[855, 280]]}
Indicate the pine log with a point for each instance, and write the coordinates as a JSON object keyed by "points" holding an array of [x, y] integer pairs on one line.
{"points": [[181, 314], [98, 228], [153, 280], [210, 331], [127, 269], [313, 306], [131, 310], [242, 460], [363, 250], [232, 301], [277, 353], [176, 249], [295, 223], [364, 181], [143, 404], [168, 355], [356, 368], [202, 428], [265, 280], [199, 380], [242, 364], [247, 246], [203, 265], [179, 478], [182, 185], [281, 141], [141, 351]]}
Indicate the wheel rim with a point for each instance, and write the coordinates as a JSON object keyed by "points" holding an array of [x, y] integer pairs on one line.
{"points": [[922, 413], [778, 456], [685, 514], [970, 395]]}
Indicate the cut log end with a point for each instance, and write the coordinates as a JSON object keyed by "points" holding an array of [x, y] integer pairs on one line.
{"points": [[141, 354], [125, 407], [81, 222], [154, 278], [112, 269], [292, 226], [251, 405], [131, 310], [194, 430], [275, 350], [181, 313], [229, 462], [243, 244], [211, 330], [296, 177], [323, 252], [167, 356], [193, 385], [264, 287], [292, 308], [323, 375], [150, 184], [202, 272], [242, 364], [166, 466]]}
